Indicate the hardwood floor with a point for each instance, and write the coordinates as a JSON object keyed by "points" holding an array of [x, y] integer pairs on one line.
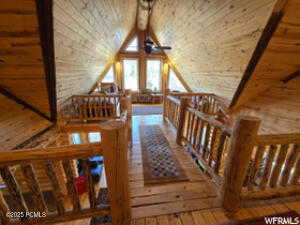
{"points": [[193, 202]]}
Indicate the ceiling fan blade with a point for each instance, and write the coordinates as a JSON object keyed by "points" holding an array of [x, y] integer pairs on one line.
{"points": [[163, 47]]}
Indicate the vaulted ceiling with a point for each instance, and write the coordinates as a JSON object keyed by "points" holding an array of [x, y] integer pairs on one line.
{"points": [[87, 36], [212, 40], [21, 61]]}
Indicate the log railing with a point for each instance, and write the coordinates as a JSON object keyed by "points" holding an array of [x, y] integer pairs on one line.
{"points": [[242, 163], [15, 210], [204, 102], [274, 167], [171, 110], [207, 103], [207, 139], [91, 107]]}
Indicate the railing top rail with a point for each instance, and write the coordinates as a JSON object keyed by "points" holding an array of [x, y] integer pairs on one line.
{"points": [[52, 153], [210, 120], [99, 95], [173, 99], [278, 139], [191, 94]]}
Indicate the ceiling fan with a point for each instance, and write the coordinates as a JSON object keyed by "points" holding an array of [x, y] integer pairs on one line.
{"points": [[149, 45]]}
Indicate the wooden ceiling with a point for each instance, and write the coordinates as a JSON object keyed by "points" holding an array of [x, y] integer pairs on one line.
{"points": [[280, 60], [17, 123], [21, 62], [212, 41], [87, 35]]}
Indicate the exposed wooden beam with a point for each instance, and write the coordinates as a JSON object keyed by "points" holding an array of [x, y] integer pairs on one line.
{"points": [[291, 76], [24, 143], [102, 74], [133, 55], [261, 46], [21, 102], [45, 18], [172, 66]]}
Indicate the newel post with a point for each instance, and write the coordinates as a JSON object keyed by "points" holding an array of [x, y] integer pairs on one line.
{"points": [[116, 167], [240, 150], [181, 118], [166, 93]]}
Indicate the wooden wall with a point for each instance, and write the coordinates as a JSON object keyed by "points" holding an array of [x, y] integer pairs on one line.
{"points": [[18, 124], [87, 36], [212, 41], [278, 108], [21, 64]]}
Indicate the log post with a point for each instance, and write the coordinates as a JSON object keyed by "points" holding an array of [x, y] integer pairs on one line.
{"points": [[240, 150], [181, 118], [167, 91], [116, 168]]}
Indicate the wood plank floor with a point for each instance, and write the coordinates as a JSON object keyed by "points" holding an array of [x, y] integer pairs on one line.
{"points": [[193, 202], [166, 198]]}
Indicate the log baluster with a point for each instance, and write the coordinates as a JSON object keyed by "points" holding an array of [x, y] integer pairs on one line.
{"points": [[117, 176], [240, 151], [58, 196]]}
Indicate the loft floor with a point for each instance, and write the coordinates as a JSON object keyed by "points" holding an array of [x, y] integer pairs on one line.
{"points": [[166, 198], [194, 202]]}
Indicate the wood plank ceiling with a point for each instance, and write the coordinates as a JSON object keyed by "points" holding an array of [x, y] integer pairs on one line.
{"points": [[212, 40], [87, 35], [281, 57], [21, 62], [18, 124]]}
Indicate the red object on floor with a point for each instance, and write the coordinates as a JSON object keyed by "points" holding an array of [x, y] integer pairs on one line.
{"points": [[81, 185]]}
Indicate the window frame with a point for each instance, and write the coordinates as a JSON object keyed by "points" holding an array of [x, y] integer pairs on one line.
{"points": [[138, 72]]}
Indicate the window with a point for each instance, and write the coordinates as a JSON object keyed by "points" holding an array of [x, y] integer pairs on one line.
{"points": [[174, 82], [76, 139], [131, 74], [133, 45], [153, 75], [109, 76], [94, 137]]}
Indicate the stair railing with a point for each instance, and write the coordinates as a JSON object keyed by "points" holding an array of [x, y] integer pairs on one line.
{"points": [[15, 210], [90, 107], [242, 163]]}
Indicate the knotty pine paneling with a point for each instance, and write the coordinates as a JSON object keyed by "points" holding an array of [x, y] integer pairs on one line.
{"points": [[18, 124], [87, 36], [280, 58], [278, 108], [21, 65], [212, 40]]}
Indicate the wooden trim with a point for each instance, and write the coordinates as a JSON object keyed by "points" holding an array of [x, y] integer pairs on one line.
{"points": [[23, 103], [291, 76], [261, 46], [45, 18], [277, 139], [272, 192], [179, 76], [102, 75], [52, 153], [137, 55]]}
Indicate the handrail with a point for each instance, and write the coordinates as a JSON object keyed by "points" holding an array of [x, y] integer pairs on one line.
{"points": [[278, 139], [242, 163], [84, 108], [209, 119], [58, 164]]}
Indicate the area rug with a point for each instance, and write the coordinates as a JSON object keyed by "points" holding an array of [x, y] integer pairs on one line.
{"points": [[102, 202], [159, 162], [290, 217], [139, 110]]}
